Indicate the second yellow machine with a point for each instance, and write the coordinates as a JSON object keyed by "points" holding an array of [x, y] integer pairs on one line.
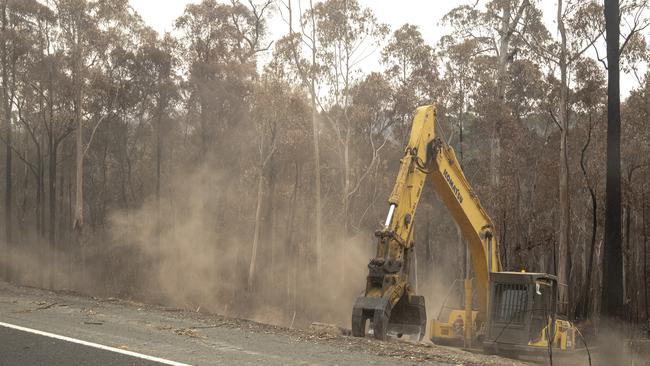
{"points": [[514, 311]]}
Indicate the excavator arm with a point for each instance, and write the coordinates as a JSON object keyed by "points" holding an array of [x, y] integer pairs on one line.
{"points": [[477, 228], [389, 300]]}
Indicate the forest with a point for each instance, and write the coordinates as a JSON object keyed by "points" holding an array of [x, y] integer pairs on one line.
{"points": [[214, 167]]}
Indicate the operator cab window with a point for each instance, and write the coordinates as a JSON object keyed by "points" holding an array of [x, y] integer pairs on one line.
{"points": [[511, 302]]}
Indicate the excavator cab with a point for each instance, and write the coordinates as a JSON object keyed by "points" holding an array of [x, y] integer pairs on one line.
{"points": [[523, 314]]}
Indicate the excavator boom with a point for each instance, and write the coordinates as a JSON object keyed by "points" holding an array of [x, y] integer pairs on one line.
{"points": [[456, 193]]}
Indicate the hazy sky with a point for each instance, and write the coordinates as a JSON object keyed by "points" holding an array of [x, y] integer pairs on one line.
{"points": [[426, 14]]}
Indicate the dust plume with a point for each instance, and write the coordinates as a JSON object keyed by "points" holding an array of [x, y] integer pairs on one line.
{"points": [[187, 258], [186, 250]]}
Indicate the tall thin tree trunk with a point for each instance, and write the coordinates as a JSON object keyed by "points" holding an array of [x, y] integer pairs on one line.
{"points": [[39, 197], [502, 69], [506, 30], [309, 79], [292, 248], [626, 249], [504, 43], [584, 312], [161, 110], [612, 294], [261, 183], [256, 229], [564, 254], [78, 211], [78, 223], [40, 220], [8, 142], [158, 165], [204, 123], [52, 215], [41, 187], [268, 229], [347, 171], [50, 254], [314, 123], [64, 246], [645, 261]]}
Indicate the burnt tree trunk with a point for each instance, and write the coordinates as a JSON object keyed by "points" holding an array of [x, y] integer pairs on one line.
{"points": [[52, 206], [612, 294], [564, 254], [583, 310], [8, 157], [645, 259]]}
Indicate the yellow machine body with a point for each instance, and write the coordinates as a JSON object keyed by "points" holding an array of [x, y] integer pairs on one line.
{"points": [[389, 301], [564, 338], [450, 330]]}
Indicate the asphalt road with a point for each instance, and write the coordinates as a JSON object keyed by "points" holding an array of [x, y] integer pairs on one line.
{"points": [[19, 347], [39, 327], [170, 334]]}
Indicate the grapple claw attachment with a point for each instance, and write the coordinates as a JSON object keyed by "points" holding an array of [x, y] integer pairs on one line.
{"points": [[373, 315], [370, 315], [409, 318]]}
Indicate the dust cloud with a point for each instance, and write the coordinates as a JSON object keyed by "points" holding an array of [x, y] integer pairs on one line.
{"points": [[185, 250], [190, 260]]}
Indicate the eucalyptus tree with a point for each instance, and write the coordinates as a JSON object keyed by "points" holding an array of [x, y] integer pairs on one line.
{"points": [[221, 43], [622, 43], [300, 49], [411, 67], [44, 112], [634, 116], [347, 33], [89, 31], [588, 106], [497, 30], [155, 69], [484, 43], [461, 67], [17, 33]]}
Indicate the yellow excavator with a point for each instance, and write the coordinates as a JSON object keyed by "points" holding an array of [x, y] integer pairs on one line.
{"points": [[514, 312]]}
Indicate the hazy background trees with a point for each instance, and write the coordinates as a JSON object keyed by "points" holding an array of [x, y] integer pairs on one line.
{"points": [[180, 167]]}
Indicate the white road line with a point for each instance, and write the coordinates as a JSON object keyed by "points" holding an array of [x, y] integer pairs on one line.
{"points": [[94, 345]]}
